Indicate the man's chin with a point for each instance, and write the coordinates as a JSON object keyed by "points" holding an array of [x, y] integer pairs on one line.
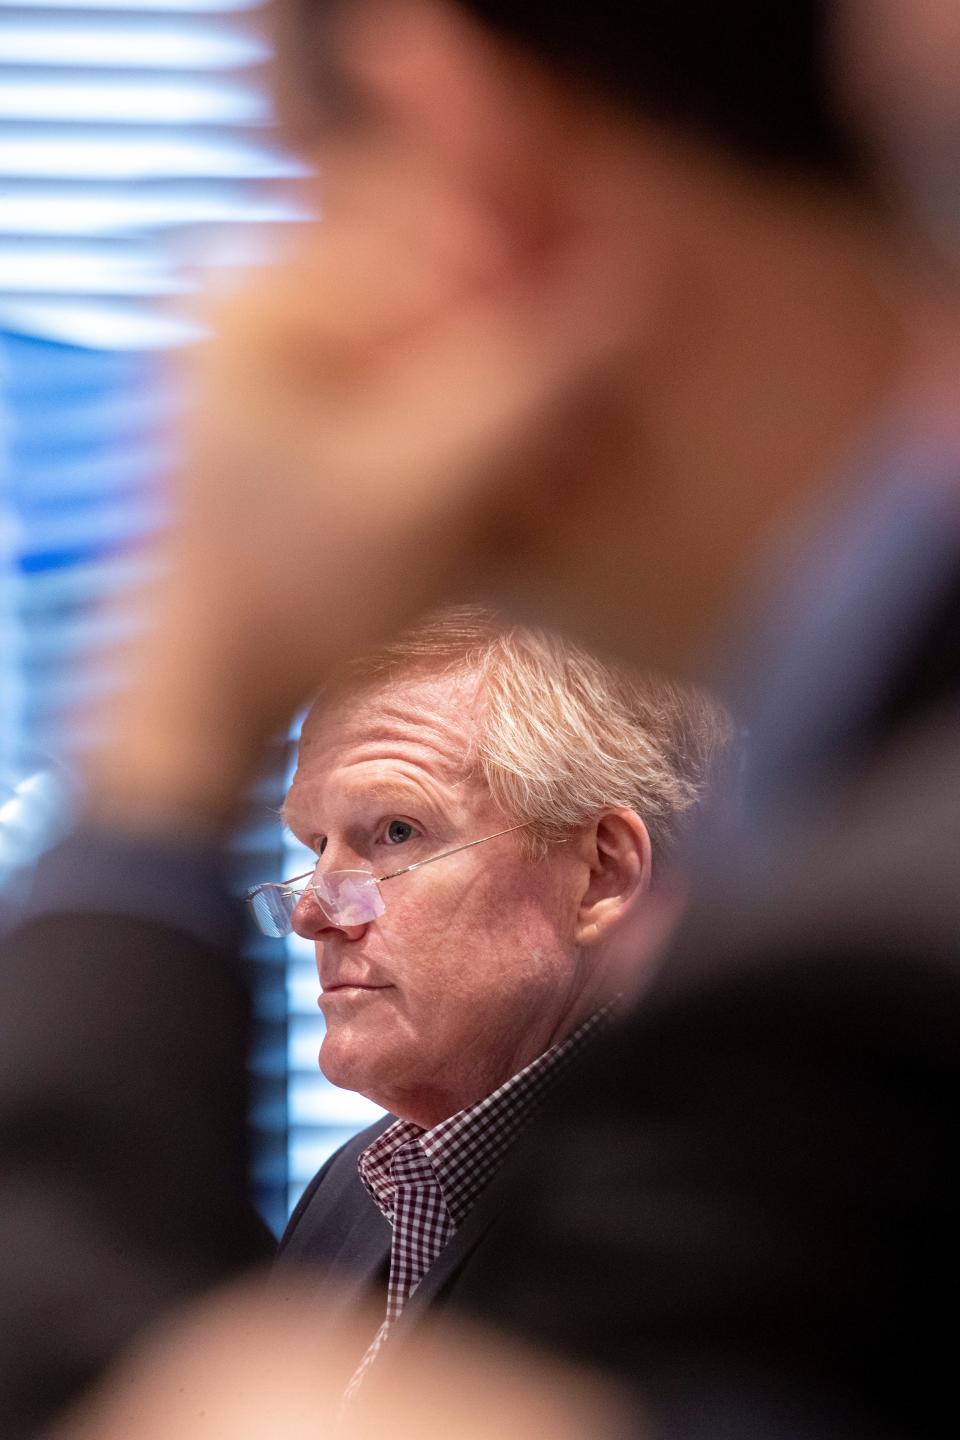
{"points": [[346, 1063]]}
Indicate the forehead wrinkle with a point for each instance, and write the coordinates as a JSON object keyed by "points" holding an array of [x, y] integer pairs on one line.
{"points": [[413, 759], [398, 788], [417, 777], [421, 725], [418, 734], [404, 787]]}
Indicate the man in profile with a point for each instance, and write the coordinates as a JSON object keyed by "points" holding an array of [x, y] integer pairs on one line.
{"points": [[498, 821], [613, 315]]}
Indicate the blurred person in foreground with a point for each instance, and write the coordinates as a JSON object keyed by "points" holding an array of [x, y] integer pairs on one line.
{"points": [[498, 821], [634, 318], [245, 1365]]}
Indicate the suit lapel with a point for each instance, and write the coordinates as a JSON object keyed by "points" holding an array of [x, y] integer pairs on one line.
{"points": [[454, 1255]]}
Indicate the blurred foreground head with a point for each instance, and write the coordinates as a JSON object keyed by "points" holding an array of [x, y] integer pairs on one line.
{"points": [[602, 303], [256, 1361], [692, 204]]}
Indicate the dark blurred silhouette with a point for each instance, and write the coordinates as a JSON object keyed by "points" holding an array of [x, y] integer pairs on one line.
{"points": [[664, 360]]}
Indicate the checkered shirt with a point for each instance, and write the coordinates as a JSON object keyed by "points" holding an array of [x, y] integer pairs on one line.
{"points": [[427, 1181]]}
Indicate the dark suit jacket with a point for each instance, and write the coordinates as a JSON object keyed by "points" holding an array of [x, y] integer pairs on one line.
{"points": [[338, 1229]]}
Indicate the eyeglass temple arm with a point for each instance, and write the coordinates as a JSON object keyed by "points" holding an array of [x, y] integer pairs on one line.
{"points": [[455, 851], [283, 884], [277, 884]]}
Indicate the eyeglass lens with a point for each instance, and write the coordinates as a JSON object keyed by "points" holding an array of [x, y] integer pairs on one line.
{"points": [[346, 897], [349, 897]]}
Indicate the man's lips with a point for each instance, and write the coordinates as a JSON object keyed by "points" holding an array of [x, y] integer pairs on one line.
{"points": [[353, 986]]}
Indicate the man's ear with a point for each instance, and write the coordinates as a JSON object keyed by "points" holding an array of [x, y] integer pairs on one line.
{"points": [[617, 846]]}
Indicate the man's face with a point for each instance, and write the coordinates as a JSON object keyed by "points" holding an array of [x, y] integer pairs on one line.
{"points": [[472, 971]]}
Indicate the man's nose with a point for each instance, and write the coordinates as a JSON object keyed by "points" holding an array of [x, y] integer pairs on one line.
{"points": [[310, 921]]}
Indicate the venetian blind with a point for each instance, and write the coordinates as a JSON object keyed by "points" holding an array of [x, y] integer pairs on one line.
{"points": [[137, 154]]}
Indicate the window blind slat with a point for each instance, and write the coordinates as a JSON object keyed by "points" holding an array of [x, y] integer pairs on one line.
{"points": [[136, 152]]}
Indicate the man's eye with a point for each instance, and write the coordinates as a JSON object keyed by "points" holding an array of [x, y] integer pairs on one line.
{"points": [[398, 831]]}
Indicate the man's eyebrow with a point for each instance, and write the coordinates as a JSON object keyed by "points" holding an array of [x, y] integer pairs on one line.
{"points": [[373, 790]]}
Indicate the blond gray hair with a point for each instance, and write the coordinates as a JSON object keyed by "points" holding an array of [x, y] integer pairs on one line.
{"points": [[563, 735]]}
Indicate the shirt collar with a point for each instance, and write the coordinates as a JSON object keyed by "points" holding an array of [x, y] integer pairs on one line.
{"points": [[465, 1150]]}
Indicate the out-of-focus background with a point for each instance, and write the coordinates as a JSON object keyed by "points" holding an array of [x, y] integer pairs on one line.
{"points": [[138, 162]]}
